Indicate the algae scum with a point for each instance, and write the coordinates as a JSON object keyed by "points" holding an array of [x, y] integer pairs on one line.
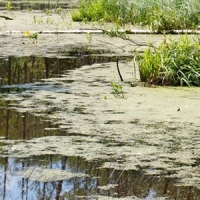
{"points": [[65, 136]]}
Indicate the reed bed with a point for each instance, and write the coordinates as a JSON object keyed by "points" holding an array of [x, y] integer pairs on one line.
{"points": [[157, 15], [175, 63]]}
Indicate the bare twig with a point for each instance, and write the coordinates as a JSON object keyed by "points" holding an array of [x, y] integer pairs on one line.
{"points": [[119, 70], [5, 17], [112, 45], [137, 43]]}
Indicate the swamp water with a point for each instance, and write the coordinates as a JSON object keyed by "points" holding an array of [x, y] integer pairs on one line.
{"points": [[65, 136]]}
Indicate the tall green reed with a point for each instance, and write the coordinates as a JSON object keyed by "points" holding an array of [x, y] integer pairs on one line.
{"points": [[158, 15], [175, 62]]}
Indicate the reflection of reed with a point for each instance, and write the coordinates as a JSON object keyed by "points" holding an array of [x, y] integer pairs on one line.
{"points": [[7, 122], [46, 60], [25, 72]]}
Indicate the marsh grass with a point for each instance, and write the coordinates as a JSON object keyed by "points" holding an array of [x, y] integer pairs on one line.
{"points": [[175, 62], [157, 15], [102, 10]]}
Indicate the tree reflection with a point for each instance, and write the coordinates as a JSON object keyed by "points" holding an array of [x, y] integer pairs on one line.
{"points": [[5, 178], [125, 183], [17, 70]]}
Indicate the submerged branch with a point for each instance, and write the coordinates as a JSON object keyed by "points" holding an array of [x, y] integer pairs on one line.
{"points": [[119, 70], [5, 17], [137, 43]]}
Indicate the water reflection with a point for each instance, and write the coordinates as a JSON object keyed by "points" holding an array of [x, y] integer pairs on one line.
{"points": [[15, 125], [16, 187], [14, 70], [99, 182]]}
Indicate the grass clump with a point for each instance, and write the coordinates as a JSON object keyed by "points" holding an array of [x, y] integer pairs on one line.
{"points": [[102, 10], [158, 15], [175, 62]]}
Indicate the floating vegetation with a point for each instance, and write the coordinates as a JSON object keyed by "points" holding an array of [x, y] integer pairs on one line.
{"points": [[48, 175], [152, 144]]}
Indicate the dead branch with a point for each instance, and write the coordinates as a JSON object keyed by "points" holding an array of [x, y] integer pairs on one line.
{"points": [[119, 70], [5, 17]]}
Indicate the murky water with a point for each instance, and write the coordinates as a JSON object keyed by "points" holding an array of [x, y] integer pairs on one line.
{"points": [[23, 70], [94, 182], [34, 167]]}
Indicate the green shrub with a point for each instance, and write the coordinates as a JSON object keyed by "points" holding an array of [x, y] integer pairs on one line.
{"points": [[175, 62]]}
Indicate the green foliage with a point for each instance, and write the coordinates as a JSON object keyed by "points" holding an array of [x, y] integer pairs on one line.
{"points": [[157, 15], [9, 5], [89, 37], [149, 65], [117, 90], [175, 62], [114, 32], [47, 12], [168, 15], [106, 10], [33, 37]]}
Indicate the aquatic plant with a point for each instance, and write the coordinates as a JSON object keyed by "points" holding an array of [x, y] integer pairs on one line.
{"points": [[175, 62], [37, 20], [89, 37], [9, 5], [157, 15], [47, 12], [33, 37], [117, 90]]}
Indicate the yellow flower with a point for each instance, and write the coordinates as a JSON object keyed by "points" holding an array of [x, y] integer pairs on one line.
{"points": [[27, 33]]}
